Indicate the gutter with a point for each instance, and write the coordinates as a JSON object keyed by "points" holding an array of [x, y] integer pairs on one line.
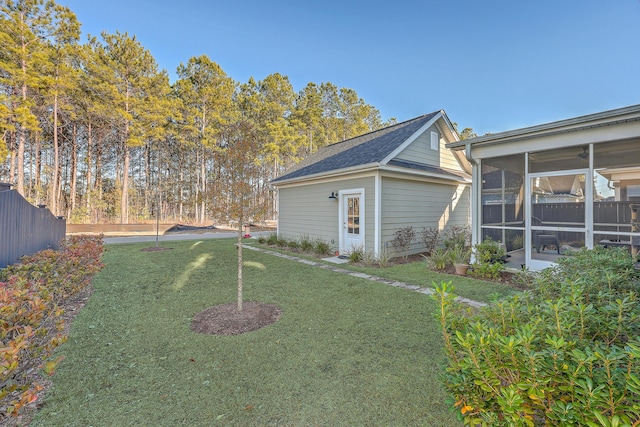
{"points": [[327, 175], [427, 175], [467, 154], [602, 119], [476, 233]]}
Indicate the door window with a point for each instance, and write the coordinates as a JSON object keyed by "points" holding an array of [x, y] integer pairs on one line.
{"points": [[353, 215]]}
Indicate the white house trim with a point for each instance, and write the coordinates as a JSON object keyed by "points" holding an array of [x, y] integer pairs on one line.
{"points": [[377, 215], [341, 219], [412, 138]]}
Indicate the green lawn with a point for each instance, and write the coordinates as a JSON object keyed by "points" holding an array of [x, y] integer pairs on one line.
{"points": [[416, 273], [346, 351]]}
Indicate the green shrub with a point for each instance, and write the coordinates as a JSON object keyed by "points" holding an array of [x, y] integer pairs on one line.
{"points": [[383, 259], [306, 244], [402, 240], [356, 255], [440, 259], [64, 272], [272, 239], [322, 248], [459, 255], [564, 353], [292, 244], [488, 260], [30, 315], [430, 237], [457, 235], [368, 258], [282, 243]]}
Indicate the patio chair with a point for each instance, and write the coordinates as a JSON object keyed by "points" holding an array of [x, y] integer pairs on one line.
{"points": [[543, 239]]}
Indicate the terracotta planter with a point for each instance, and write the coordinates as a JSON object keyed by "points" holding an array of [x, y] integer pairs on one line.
{"points": [[461, 269]]}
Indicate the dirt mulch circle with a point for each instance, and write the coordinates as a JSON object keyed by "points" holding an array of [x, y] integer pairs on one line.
{"points": [[226, 320]]}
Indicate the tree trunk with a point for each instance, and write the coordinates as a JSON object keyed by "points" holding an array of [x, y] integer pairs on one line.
{"points": [[124, 200], [88, 187], [204, 187], [73, 173], [38, 171], [196, 205], [22, 135], [240, 266], [147, 179], [180, 203], [55, 194], [12, 158], [98, 180]]}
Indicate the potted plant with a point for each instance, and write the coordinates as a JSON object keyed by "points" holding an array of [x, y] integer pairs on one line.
{"points": [[460, 257]]}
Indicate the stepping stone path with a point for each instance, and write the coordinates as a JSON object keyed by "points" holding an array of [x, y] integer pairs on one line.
{"points": [[427, 291]]}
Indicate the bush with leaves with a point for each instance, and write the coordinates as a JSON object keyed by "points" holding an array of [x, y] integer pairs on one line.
{"points": [[322, 248], [457, 235], [439, 260], [430, 237], [564, 353], [356, 254], [30, 315], [306, 244], [272, 240], [488, 260], [402, 239]]}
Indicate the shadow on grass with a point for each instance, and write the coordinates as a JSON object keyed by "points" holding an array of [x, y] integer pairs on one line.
{"points": [[345, 351]]}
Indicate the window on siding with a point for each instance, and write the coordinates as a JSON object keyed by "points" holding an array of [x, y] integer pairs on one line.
{"points": [[435, 141]]}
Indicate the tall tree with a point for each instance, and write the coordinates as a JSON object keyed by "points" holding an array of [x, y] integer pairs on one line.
{"points": [[27, 27], [355, 114], [62, 77], [133, 87], [206, 93], [268, 105], [308, 113]]}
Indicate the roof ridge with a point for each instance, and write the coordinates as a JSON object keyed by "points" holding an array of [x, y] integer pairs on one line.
{"points": [[367, 148], [386, 128]]}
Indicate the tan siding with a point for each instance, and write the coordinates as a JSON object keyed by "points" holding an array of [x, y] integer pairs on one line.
{"points": [[307, 211], [419, 204], [420, 151]]}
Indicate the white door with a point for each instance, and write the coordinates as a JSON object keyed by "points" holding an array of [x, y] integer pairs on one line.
{"points": [[351, 221]]}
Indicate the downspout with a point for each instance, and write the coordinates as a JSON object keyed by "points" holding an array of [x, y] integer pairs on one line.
{"points": [[377, 218], [475, 197]]}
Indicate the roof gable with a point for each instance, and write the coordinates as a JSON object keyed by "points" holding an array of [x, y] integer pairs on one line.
{"points": [[372, 148]]}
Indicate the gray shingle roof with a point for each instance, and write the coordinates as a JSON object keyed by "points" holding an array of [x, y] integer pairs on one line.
{"points": [[364, 149]]}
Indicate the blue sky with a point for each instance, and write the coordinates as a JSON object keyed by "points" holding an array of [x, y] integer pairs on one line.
{"points": [[492, 65]]}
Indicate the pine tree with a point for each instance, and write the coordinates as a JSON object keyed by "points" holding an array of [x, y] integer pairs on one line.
{"points": [[206, 94], [27, 30], [134, 90]]}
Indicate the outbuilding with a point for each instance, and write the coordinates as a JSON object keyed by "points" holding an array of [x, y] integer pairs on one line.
{"points": [[355, 194]]}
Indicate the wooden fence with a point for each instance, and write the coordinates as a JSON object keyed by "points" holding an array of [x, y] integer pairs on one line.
{"points": [[26, 229]]}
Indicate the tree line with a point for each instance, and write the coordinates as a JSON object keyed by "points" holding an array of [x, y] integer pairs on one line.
{"points": [[97, 132]]}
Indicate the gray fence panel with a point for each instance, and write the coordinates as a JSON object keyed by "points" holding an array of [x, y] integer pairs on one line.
{"points": [[26, 229]]}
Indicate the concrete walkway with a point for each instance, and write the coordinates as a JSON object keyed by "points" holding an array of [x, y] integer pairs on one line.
{"points": [[427, 291]]}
